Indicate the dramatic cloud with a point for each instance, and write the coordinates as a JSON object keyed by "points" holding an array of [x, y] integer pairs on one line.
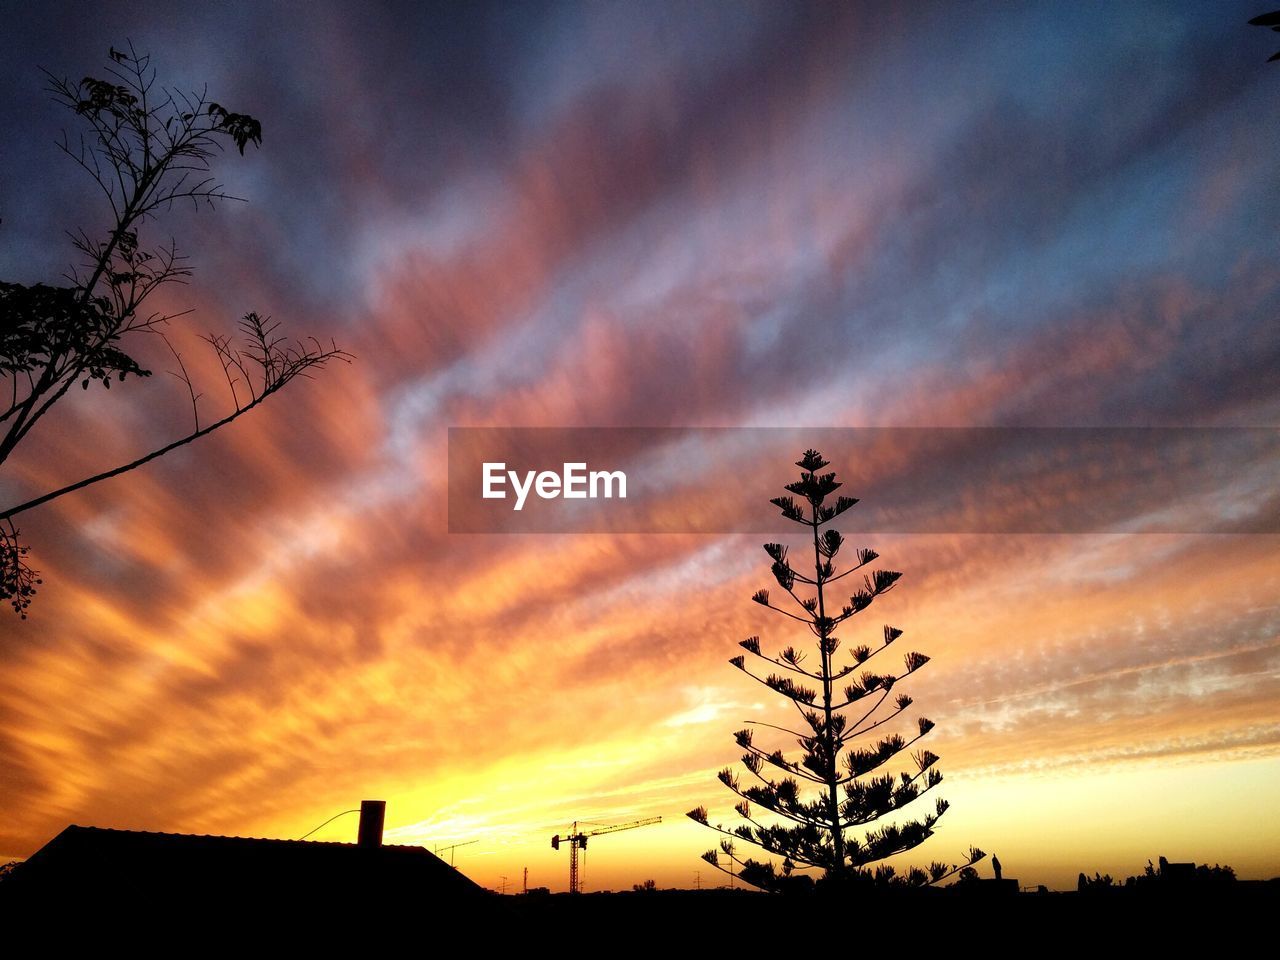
{"points": [[633, 215]]}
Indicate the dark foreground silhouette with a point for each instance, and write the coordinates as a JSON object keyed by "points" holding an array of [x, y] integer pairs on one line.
{"points": [[124, 886], [153, 883], [183, 875], [85, 865]]}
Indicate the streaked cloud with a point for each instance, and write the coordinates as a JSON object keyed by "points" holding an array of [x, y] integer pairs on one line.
{"points": [[616, 216]]}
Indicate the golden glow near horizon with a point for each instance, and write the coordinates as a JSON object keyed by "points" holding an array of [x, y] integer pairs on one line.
{"points": [[260, 630], [489, 702]]}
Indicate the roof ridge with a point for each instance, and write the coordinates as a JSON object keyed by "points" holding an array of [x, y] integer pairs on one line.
{"points": [[223, 836]]}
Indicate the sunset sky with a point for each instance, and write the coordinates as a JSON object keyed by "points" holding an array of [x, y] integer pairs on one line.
{"points": [[653, 215]]}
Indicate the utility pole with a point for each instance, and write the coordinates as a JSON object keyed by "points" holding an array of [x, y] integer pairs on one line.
{"points": [[526, 881], [697, 879]]}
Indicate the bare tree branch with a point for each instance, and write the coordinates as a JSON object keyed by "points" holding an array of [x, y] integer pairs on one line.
{"points": [[146, 147], [279, 362]]}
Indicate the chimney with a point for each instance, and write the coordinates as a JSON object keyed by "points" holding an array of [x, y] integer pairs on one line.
{"points": [[372, 815]]}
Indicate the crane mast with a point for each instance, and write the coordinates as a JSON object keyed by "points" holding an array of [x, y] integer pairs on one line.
{"points": [[577, 840]]}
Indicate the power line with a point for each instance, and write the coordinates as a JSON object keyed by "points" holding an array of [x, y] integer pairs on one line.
{"points": [[327, 822]]}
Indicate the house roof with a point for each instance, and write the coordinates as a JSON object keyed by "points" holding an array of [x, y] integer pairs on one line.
{"points": [[121, 864]]}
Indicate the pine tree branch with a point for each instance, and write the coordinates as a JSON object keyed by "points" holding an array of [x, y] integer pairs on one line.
{"points": [[884, 694], [863, 731], [783, 664], [896, 806], [887, 757], [780, 811], [791, 696], [853, 569], [736, 876], [761, 723], [865, 660], [785, 613], [775, 759], [977, 857]]}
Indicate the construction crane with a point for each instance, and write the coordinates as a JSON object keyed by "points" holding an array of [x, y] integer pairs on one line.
{"points": [[577, 840]]}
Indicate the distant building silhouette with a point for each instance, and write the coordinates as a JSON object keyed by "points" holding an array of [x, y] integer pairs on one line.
{"points": [[1177, 873]]}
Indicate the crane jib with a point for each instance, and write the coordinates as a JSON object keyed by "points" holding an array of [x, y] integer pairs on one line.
{"points": [[577, 840]]}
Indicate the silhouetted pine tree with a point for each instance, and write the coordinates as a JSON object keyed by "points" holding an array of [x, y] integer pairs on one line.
{"points": [[827, 810]]}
